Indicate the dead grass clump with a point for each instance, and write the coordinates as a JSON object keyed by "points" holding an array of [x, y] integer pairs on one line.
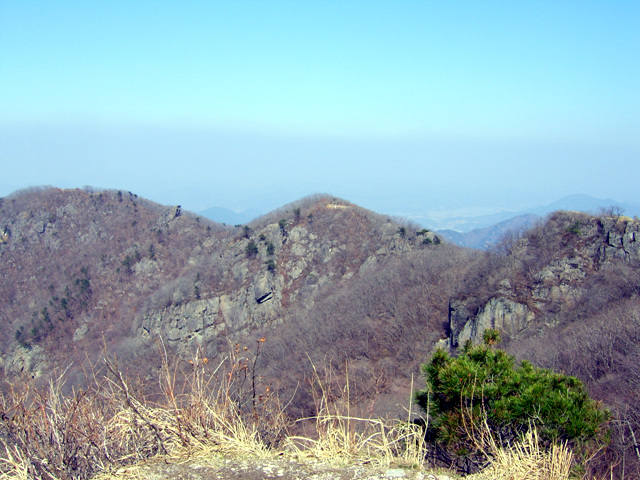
{"points": [[340, 435], [110, 424], [528, 460]]}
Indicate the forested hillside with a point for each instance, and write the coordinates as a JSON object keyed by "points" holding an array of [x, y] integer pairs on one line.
{"points": [[320, 285], [77, 267], [87, 271]]}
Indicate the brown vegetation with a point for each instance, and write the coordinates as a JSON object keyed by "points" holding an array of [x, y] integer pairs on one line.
{"points": [[83, 268], [384, 325], [200, 407], [84, 257], [370, 296]]}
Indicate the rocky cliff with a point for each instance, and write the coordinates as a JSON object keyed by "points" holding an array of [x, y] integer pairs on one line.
{"points": [[89, 271], [274, 266], [552, 271]]}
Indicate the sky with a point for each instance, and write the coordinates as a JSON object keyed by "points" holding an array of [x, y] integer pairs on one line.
{"points": [[403, 107]]}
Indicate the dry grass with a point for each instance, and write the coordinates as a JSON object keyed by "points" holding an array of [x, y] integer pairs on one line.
{"points": [[347, 440], [111, 423], [15, 465], [203, 410], [339, 436], [528, 460], [215, 410]]}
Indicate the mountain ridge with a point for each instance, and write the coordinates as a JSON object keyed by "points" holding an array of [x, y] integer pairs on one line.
{"points": [[324, 283], [477, 231], [92, 268]]}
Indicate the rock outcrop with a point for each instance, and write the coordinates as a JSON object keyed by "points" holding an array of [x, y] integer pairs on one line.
{"points": [[503, 314], [269, 269], [550, 272], [86, 271]]}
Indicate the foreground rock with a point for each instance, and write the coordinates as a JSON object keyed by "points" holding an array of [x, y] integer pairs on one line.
{"points": [[257, 469]]}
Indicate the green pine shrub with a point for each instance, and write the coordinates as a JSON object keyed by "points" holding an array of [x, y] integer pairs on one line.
{"points": [[251, 249], [271, 249], [483, 393]]}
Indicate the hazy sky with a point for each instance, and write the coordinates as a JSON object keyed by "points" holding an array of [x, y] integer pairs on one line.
{"points": [[400, 106]]}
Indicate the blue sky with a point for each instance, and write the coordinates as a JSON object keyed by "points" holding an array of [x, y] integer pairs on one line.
{"points": [[399, 106]]}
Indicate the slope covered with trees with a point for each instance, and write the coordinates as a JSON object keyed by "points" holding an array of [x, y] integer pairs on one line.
{"points": [[320, 285], [90, 270], [78, 265]]}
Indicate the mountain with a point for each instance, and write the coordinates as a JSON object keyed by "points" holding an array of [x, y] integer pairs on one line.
{"points": [[321, 279], [229, 217], [565, 296], [484, 238], [318, 285]]}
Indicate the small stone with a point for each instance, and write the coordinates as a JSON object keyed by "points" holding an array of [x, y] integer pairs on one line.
{"points": [[395, 473]]}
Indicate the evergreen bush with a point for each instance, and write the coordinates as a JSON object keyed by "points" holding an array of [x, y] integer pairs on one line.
{"points": [[252, 248], [483, 392], [271, 249]]}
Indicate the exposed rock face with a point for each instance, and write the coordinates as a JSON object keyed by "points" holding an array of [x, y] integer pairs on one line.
{"points": [[498, 313], [87, 270], [536, 295], [186, 324], [291, 265], [620, 239], [199, 323], [20, 361], [169, 215]]}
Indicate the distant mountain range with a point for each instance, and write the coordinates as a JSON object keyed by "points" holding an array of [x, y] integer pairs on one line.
{"points": [[229, 217], [578, 203], [484, 238]]}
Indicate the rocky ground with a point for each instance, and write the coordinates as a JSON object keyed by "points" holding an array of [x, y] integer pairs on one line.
{"points": [[255, 469]]}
